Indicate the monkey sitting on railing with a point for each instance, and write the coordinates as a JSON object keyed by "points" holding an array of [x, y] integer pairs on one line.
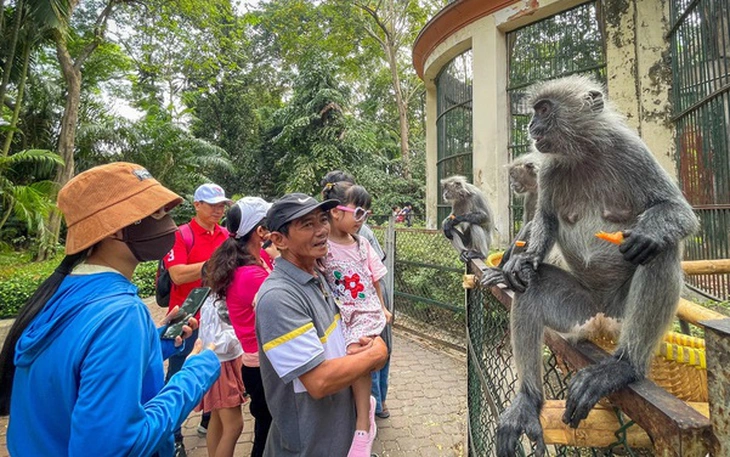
{"points": [[470, 224]]}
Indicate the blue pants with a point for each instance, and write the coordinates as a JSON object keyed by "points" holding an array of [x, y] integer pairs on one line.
{"points": [[379, 389], [175, 363]]}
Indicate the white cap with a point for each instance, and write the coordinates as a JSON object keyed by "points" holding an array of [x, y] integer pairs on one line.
{"points": [[211, 194], [253, 211]]}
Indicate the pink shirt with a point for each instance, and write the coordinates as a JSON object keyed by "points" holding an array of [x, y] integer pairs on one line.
{"points": [[351, 252], [240, 300]]}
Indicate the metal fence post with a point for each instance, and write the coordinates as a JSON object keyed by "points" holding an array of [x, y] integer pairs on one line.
{"points": [[390, 258], [717, 338]]}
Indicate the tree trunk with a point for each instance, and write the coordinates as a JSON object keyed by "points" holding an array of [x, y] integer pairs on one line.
{"points": [[8, 211], [11, 48], [19, 100], [67, 135], [402, 111], [2, 17]]}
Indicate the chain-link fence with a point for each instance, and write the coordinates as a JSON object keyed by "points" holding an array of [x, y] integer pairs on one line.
{"points": [[492, 382], [427, 283]]}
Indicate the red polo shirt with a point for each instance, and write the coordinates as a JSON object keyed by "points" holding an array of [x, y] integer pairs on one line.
{"points": [[204, 244]]}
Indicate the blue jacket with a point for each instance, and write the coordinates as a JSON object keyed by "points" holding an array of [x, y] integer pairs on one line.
{"points": [[89, 377]]}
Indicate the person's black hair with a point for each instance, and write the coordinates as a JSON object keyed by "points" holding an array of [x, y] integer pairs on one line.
{"points": [[27, 313], [230, 255], [336, 176], [347, 193]]}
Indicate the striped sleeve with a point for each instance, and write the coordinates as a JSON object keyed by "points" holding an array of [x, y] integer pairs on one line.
{"points": [[287, 334]]}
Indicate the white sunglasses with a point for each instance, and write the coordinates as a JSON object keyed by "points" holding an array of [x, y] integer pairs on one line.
{"points": [[359, 214]]}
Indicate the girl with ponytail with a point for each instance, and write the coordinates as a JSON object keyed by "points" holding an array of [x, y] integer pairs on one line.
{"points": [[235, 272]]}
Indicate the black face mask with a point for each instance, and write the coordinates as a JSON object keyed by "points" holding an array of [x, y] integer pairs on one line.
{"points": [[150, 238]]}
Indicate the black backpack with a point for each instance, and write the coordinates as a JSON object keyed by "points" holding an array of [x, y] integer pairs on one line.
{"points": [[163, 282]]}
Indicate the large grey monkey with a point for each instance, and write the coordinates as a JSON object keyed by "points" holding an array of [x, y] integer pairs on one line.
{"points": [[470, 224], [596, 175]]}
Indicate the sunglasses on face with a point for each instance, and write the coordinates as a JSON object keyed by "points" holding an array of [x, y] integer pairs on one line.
{"points": [[359, 214]]}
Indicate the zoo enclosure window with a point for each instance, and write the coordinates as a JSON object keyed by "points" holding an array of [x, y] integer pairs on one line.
{"points": [[570, 42], [454, 123]]}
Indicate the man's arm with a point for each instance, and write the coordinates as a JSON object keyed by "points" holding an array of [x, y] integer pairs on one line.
{"points": [[182, 274], [333, 375]]}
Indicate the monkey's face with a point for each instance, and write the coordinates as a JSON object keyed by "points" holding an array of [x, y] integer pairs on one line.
{"points": [[453, 191], [565, 113], [542, 125], [523, 178]]}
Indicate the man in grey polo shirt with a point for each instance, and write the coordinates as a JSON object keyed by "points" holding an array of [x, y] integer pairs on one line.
{"points": [[304, 367]]}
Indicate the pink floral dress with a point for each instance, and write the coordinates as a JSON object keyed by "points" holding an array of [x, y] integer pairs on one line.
{"points": [[351, 271]]}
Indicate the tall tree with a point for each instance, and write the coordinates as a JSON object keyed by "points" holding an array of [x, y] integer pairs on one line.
{"points": [[71, 68], [315, 132]]}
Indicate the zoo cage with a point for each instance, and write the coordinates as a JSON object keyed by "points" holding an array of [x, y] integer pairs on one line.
{"points": [[700, 43], [454, 124], [571, 42]]}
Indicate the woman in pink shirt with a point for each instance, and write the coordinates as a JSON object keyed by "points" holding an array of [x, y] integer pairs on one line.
{"points": [[240, 270]]}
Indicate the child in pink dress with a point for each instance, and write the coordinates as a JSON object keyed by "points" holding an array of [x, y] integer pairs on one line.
{"points": [[353, 270]]}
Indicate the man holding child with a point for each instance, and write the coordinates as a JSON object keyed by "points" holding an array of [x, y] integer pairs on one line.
{"points": [[304, 366]]}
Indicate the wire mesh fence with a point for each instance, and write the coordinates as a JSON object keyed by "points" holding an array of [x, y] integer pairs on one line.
{"points": [[492, 382], [700, 47], [427, 284]]}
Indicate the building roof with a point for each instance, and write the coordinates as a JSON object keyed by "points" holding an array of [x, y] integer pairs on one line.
{"points": [[451, 18]]}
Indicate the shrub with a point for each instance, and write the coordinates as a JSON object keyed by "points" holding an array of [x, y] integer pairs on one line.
{"points": [[20, 277], [144, 278], [19, 280]]}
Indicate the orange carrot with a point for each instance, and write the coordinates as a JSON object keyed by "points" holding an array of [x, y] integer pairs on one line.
{"points": [[520, 243], [615, 237]]}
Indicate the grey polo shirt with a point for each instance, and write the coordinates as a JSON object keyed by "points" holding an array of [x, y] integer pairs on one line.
{"points": [[298, 327]]}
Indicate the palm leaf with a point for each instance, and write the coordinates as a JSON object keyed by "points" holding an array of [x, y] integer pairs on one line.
{"points": [[31, 156]]}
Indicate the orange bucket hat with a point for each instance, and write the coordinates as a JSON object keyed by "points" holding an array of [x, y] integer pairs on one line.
{"points": [[107, 198]]}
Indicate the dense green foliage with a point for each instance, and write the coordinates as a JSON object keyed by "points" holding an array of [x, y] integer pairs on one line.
{"points": [[20, 277], [263, 101]]}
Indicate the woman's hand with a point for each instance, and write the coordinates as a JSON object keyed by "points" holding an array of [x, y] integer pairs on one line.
{"points": [[187, 330], [198, 348]]}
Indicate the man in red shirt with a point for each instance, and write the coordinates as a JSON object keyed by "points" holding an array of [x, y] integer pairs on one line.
{"points": [[185, 264]]}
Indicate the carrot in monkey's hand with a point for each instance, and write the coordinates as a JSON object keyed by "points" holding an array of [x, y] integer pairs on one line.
{"points": [[520, 243], [615, 237]]}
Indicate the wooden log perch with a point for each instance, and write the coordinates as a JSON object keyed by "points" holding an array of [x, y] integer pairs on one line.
{"points": [[694, 313], [597, 430], [703, 267]]}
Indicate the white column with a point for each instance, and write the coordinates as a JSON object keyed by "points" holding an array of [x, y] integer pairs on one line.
{"points": [[491, 121], [432, 186]]}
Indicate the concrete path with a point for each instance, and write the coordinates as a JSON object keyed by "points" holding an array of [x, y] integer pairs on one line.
{"points": [[426, 398]]}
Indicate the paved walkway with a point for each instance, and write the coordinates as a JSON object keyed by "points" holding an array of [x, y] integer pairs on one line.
{"points": [[426, 398]]}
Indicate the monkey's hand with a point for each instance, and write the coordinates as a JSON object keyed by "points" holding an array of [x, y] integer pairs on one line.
{"points": [[522, 416], [593, 383], [640, 248], [519, 270], [492, 277], [448, 225]]}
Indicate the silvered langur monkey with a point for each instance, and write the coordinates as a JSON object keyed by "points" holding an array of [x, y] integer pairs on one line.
{"points": [[470, 224], [523, 182], [596, 175]]}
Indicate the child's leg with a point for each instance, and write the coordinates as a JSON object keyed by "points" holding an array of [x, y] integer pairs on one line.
{"points": [[215, 429], [361, 392], [232, 421]]}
